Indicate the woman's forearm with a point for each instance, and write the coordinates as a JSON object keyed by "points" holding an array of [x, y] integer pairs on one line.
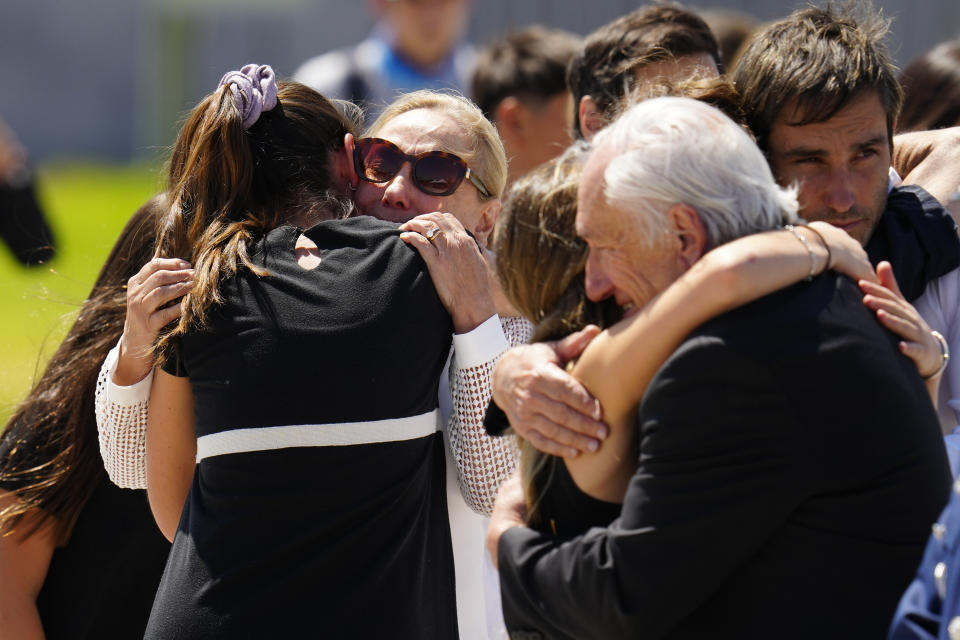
{"points": [[171, 449], [121, 414], [619, 364]]}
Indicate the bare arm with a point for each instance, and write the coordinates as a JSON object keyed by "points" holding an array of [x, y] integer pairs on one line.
{"points": [[23, 568], [619, 364], [931, 159], [171, 449]]}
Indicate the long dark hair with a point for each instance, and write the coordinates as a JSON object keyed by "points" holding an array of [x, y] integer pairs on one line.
{"points": [[229, 185], [50, 443]]}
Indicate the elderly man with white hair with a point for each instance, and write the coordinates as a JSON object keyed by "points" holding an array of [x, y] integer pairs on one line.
{"points": [[790, 462]]}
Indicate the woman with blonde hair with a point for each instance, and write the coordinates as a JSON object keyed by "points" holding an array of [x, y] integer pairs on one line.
{"points": [[418, 131]]}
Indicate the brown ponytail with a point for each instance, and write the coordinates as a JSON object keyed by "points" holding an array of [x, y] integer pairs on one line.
{"points": [[229, 186]]}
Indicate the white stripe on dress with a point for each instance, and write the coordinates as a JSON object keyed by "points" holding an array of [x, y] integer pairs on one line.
{"points": [[317, 435]]}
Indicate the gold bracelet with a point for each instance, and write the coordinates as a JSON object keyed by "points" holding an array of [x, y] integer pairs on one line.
{"points": [[813, 260], [944, 353], [823, 241]]}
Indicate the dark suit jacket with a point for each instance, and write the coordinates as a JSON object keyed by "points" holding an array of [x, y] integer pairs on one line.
{"points": [[791, 465]]}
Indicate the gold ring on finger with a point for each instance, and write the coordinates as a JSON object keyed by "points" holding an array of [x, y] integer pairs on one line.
{"points": [[434, 233]]}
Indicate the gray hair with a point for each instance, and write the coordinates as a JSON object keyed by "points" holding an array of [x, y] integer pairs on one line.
{"points": [[673, 150]]}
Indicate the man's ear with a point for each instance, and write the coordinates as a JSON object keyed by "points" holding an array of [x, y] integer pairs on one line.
{"points": [[509, 118], [591, 120], [690, 232], [488, 218]]}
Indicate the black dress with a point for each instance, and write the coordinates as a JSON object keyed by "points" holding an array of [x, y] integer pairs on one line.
{"points": [[101, 582], [564, 509], [295, 525]]}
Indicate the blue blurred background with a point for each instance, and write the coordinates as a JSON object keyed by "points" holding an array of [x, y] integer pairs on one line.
{"points": [[109, 79]]}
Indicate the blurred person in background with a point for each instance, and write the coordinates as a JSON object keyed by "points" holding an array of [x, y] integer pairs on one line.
{"points": [[79, 557], [416, 44], [930, 606], [931, 89], [732, 29], [931, 100], [663, 41], [520, 84], [23, 225]]}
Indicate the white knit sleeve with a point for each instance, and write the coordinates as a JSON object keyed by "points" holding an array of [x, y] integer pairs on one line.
{"points": [[122, 425], [483, 462]]}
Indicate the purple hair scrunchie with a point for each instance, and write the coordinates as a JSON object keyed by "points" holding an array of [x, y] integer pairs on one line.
{"points": [[254, 89]]}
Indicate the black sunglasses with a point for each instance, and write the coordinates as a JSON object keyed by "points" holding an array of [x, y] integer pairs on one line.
{"points": [[436, 173]]}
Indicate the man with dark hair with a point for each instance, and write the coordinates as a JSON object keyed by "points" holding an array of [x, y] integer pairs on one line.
{"points": [[821, 96], [827, 124], [661, 40], [519, 82], [791, 73]]}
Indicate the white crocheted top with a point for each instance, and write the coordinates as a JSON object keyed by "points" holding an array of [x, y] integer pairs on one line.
{"points": [[483, 462]]}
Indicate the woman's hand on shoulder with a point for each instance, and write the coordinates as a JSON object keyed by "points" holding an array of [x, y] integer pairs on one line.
{"points": [[846, 254], [149, 294], [899, 316], [457, 267]]}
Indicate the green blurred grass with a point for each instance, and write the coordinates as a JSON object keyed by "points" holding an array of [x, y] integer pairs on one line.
{"points": [[87, 205]]}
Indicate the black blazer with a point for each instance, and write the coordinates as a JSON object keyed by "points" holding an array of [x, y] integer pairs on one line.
{"points": [[790, 468]]}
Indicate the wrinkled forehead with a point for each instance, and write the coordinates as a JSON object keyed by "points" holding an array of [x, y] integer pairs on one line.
{"points": [[590, 194], [426, 129]]}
